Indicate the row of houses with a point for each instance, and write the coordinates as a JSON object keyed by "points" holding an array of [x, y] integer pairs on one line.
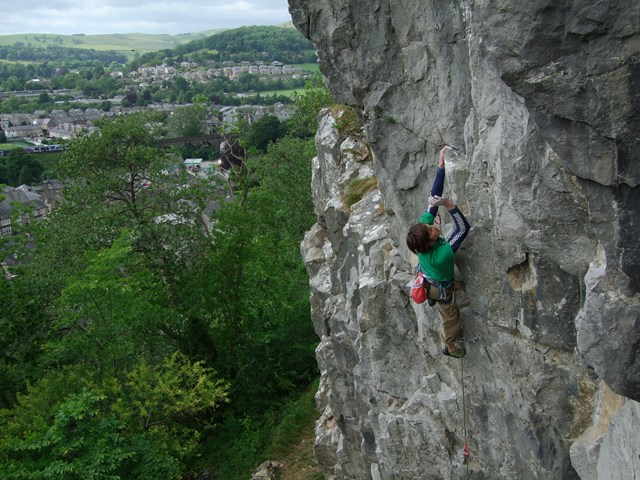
{"points": [[66, 125], [251, 113], [145, 76], [57, 124]]}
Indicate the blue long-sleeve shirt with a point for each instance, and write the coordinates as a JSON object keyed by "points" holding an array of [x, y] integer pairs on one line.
{"points": [[438, 263]]}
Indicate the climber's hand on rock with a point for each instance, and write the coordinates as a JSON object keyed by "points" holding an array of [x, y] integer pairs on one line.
{"points": [[446, 148], [435, 201]]}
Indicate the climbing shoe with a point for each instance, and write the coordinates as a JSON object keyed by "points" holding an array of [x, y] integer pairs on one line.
{"points": [[459, 353]]}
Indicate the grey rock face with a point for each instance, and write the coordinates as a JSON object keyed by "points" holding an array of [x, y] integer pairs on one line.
{"points": [[541, 99]]}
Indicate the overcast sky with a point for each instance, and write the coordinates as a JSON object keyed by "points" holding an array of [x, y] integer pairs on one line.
{"points": [[137, 16]]}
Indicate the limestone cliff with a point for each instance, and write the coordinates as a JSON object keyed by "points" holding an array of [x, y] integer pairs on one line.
{"points": [[542, 100]]}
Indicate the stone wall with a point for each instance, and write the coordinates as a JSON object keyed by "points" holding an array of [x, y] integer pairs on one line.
{"points": [[541, 100]]}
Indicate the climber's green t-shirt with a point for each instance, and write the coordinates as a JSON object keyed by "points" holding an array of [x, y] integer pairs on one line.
{"points": [[438, 263]]}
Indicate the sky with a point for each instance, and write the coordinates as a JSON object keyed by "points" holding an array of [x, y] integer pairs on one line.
{"points": [[90, 17]]}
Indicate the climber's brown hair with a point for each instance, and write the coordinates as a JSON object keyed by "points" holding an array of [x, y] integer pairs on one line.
{"points": [[419, 239]]}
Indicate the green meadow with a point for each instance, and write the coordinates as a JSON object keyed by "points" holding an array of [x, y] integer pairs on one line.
{"points": [[20, 144], [308, 67]]}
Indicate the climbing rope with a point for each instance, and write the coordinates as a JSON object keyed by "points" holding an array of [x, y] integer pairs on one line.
{"points": [[465, 451]]}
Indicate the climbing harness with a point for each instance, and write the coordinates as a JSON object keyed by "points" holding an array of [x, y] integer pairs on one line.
{"points": [[422, 282]]}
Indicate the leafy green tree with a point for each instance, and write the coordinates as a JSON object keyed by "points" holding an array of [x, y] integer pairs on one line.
{"points": [[68, 427], [248, 81], [118, 179], [116, 165], [111, 312], [118, 398], [181, 84], [98, 71], [26, 176], [3, 136], [307, 106], [188, 121], [44, 98], [264, 131], [261, 309], [76, 442], [250, 43], [132, 312], [19, 162], [23, 328]]}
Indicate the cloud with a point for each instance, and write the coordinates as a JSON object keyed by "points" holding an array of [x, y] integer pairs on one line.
{"points": [[143, 16]]}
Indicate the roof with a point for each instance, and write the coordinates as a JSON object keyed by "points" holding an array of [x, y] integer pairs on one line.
{"points": [[15, 195]]}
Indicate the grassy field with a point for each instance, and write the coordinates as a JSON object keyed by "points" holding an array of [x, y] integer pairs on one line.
{"points": [[19, 144], [308, 67], [286, 93], [127, 43]]}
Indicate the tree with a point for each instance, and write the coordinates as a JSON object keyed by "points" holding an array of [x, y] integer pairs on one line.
{"points": [[44, 98], [120, 429], [115, 395], [188, 121], [284, 44], [304, 122], [73, 440], [23, 327], [264, 131], [112, 312], [256, 309], [118, 179], [19, 162], [120, 330], [25, 177], [113, 164], [181, 84], [3, 136]]}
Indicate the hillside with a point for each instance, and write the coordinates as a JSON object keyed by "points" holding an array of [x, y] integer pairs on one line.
{"points": [[126, 43], [277, 42]]}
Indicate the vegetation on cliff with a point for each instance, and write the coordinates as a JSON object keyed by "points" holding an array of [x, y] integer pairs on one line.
{"points": [[136, 342]]}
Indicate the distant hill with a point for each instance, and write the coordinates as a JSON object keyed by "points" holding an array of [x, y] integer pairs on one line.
{"points": [[281, 43], [125, 43]]}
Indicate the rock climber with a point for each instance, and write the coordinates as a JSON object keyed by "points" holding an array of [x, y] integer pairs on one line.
{"points": [[436, 258]]}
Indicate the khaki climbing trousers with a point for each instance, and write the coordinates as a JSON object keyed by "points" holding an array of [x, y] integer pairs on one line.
{"points": [[449, 313]]}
